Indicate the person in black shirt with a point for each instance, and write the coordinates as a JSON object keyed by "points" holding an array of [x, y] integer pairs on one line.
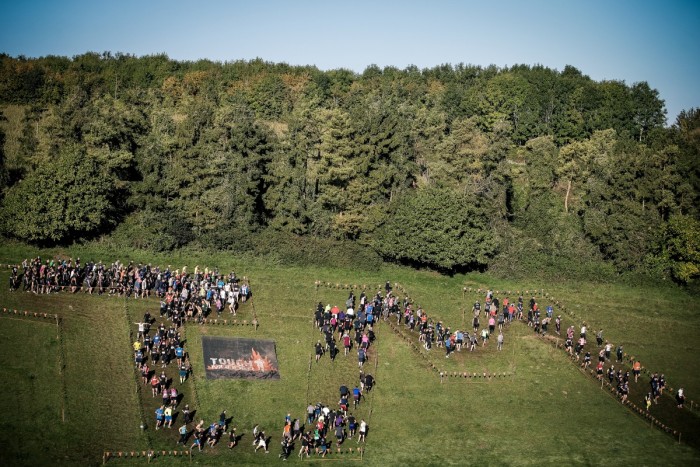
{"points": [[319, 350], [369, 382]]}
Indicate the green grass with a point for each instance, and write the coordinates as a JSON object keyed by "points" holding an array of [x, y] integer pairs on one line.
{"points": [[31, 385], [547, 413], [101, 408]]}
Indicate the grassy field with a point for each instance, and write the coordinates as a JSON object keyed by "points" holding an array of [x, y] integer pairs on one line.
{"points": [[31, 385], [100, 407], [545, 412]]}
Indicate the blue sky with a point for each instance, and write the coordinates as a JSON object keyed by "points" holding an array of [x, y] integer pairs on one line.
{"points": [[653, 41]]}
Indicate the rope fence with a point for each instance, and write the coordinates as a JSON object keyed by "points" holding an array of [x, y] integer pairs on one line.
{"points": [[143, 455], [195, 395], [225, 322], [151, 454]]}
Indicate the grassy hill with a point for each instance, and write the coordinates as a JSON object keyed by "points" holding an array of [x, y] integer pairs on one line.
{"points": [[71, 393]]}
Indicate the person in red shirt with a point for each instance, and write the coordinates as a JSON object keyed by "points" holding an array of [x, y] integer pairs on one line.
{"points": [[155, 385], [636, 369], [347, 342]]}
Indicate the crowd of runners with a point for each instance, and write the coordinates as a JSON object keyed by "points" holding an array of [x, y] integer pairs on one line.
{"points": [[579, 344], [187, 296], [315, 434], [323, 424], [353, 325], [434, 333], [159, 347], [183, 295]]}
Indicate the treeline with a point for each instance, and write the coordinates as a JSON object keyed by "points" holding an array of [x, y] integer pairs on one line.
{"points": [[452, 167]]}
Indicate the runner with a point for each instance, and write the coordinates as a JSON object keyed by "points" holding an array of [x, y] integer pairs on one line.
{"points": [[680, 398], [197, 441], [261, 442], [356, 396], [319, 351], [361, 357], [160, 417], [232, 439], [363, 431], [636, 369], [183, 434], [168, 416]]}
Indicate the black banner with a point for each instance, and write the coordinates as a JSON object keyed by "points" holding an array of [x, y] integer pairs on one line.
{"points": [[234, 357]]}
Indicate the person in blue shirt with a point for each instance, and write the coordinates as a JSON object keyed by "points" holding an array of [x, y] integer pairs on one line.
{"points": [[179, 354], [160, 417], [183, 434], [197, 441], [356, 396]]}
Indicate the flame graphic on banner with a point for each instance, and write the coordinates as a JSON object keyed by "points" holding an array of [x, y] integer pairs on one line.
{"points": [[260, 363], [239, 357]]}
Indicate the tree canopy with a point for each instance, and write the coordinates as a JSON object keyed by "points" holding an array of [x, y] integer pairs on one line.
{"points": [[450, 167]]}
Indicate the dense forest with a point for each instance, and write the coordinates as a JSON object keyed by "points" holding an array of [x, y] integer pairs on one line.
{"points": [[455, 167]]}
